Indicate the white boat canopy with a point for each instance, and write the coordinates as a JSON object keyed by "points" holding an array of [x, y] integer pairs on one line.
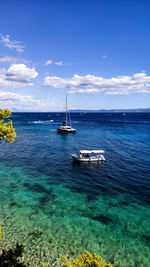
{"points": [[91, 151]]}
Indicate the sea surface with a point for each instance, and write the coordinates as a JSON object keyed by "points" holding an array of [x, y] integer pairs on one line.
{"points": [[54, 206]]}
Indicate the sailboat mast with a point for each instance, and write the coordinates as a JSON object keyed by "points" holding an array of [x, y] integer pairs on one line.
{"points": [[66, 109]]}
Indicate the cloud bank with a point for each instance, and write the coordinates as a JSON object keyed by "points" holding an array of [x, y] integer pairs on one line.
{"points": [[18, 75], [137, 83], [10, 97], [15, 101], [19, 102]]}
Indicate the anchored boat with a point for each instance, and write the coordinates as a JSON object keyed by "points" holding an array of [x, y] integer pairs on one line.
{"points": [[89, 155], [66, 126]]}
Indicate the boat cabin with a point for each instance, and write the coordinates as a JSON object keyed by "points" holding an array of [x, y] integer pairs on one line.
{"points": [[90, 153]]}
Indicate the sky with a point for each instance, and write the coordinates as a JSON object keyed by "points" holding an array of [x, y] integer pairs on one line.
{"points": [[97, 51]]}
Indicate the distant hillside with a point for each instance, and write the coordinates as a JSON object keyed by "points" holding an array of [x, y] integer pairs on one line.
{"points": [[112, 110]]}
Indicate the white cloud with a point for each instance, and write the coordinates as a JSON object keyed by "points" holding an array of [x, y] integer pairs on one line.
{"points": [[82, 91], [16, 98], [18, 102], [48, 62], [104, 56], [18, 75], [11, 44], [59, 63], [10, 59], [15, 101], [137, 83]]}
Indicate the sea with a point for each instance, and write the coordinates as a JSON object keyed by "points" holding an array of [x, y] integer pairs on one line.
{"points": [[54, 206]]}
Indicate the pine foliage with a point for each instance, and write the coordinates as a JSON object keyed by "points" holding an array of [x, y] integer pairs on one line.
{"points": [[7, 132]]}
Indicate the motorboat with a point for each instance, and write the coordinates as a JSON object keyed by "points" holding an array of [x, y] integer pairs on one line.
{"points": [[66, 126], [89, 155]]}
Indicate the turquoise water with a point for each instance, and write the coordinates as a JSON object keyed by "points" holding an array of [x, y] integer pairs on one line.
{"points": [[55, 207]]}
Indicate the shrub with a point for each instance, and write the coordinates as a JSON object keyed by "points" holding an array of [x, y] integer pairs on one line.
{"points": [[7, 131], [85, 260]]}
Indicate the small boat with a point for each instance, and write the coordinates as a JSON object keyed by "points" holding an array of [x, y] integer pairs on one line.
{"points": [[89, 155], [66, 126]]}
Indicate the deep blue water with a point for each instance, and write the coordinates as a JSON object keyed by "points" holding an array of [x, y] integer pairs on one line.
{"points": [[102, 203]]}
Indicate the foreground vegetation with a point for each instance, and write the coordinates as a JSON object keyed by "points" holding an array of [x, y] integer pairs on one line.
{"points": [[7, 132], [85, 260]]}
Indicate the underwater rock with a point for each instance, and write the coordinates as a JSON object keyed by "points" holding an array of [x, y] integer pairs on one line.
{"points": [[113, 204], [146, 237], [91, 207], [124, 203], [49, 196], [36, 234], [35, 187], [102, 218], [91, 197], [13, 204], [83, 190], [116, 204]]}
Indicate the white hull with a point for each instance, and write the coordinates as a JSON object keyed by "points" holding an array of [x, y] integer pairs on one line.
{"points": [[90, 159], [64, 129]]}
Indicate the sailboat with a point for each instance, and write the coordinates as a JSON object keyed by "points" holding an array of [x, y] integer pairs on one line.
{"points": [[66, 126]]}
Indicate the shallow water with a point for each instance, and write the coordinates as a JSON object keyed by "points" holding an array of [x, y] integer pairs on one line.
{"points": [[56, 207]]}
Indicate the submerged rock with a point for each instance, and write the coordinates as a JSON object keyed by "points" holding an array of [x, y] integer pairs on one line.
{"points": [[36, 234], [102, 218]]}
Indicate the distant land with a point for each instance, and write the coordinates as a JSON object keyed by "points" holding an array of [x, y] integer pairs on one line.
{"points": [[112, 110], [140, 110]]}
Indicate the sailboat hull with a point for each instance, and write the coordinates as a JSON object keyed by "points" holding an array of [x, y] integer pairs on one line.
{"points": [[66, 130]]}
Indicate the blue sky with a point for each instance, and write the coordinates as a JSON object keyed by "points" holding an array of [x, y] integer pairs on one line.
{"points": [[97, 51]]}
